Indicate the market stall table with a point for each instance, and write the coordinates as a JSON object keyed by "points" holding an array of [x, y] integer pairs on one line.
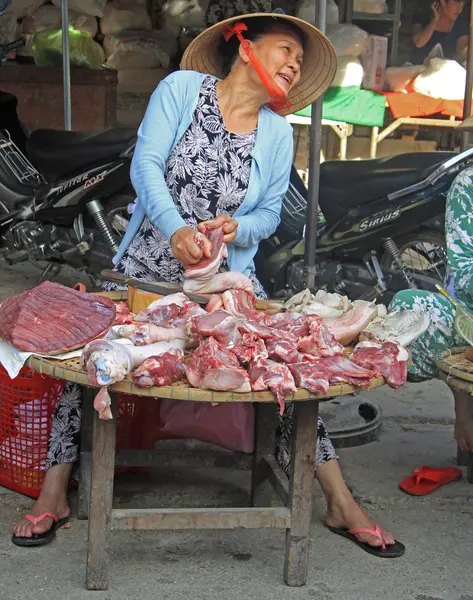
{"points": [[296, 494], [457, 371]]}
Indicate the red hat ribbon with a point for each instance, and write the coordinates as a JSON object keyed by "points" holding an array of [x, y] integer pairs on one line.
{"points": [[278, 99]]}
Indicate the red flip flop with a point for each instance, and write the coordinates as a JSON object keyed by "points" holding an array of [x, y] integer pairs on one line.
{"points": [[426, 480]]}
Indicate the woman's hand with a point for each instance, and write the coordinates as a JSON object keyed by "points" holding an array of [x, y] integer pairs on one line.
{"points": [[435, 6], [230, 226], [185, 248]]}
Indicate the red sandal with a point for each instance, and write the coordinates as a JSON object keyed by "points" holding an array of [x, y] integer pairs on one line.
{"points": [[426, 480]]}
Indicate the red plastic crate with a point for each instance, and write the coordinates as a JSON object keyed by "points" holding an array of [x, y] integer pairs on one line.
{"points": [[27, 404]]}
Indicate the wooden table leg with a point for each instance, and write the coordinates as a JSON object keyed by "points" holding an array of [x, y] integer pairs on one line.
{"points": [[85, 463], [265, 443], [304, 445], [101, 496]]}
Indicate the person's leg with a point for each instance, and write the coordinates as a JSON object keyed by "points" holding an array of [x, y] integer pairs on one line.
{"points": [[440, 336], [63, 452], [463, 420], [342, 509]]}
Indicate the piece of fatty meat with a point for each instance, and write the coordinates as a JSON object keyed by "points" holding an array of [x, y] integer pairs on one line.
{"points": [[215, 367], [158, 371], [219, 324], [388, 359], [319, 342], [347, 328], [267, 374], [249, 347], [53, 319], [313, 377]]}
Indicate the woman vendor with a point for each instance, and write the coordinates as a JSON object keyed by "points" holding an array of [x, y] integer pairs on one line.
{"points": [[443, 26], [441, 333], [210, 149]]}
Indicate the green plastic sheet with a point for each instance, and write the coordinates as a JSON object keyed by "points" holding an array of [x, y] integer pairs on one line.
{"points": [[352, 105]]}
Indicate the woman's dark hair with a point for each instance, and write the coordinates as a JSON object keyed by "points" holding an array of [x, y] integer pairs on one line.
{"points": [[257, 28]]}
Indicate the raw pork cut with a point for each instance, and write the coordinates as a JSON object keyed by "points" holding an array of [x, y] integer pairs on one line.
{"points": [[250, 346], [123, 315], [161, 370], [313, 377], [52, 319], [142, 334], [319, 342], [293, 323], [266, 374], [282, 350], [161, 315], [108, 362], [209, 266], [203, 278], [240, 303], [388, 359], [214, 367], [348, 328], [343, 370], [219, 324]]}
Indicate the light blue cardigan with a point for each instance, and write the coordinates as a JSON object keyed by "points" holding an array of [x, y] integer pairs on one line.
{"points": [[169, 114]]}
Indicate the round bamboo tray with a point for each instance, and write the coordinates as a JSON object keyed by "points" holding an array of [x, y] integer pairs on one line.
{"points": [[453, 363], [71, 370]]}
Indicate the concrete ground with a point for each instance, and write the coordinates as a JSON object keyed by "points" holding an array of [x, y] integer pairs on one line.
{"points": [[437, 529]]}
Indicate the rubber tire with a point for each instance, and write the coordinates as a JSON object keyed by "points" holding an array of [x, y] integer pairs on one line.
{"points": [[430, 236]]}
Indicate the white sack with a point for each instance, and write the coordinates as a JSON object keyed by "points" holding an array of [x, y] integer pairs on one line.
{"points": [[397, 79], [21, 8], [138, 50], [120, 15], [184, 13], [375, 7], [8, 26], [50, 17], [442, 78], [347, 39], [349, 72], [306, 12], [94, 8]]}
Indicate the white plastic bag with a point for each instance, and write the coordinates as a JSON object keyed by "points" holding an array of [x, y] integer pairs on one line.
{"points": [[94, 8], [184, 13], [375, 7], [306, 11], [349, 72], [120, 15], [397, 79], [347, 39], [48, 17], [21, 8], [441, 78], [137, 50]]}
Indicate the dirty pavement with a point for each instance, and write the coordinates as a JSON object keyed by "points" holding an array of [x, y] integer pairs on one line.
{"points": [[437, 529]]}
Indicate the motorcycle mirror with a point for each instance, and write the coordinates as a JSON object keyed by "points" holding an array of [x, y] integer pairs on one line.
{"points": [[466, 125], [4, 6]]}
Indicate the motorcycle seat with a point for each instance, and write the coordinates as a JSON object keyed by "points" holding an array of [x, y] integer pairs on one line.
{"points": [[344, 185], [59, 154]]}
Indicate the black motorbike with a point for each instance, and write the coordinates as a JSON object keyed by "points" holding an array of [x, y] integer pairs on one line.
{"points": [[63, 194], [380, 229]]}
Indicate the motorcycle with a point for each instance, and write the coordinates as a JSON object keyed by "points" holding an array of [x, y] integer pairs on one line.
{"points": [[63, 194], [380, 227]]}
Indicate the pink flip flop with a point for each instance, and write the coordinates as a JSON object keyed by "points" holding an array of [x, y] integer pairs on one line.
{"points": [[393, 551], [44, 538]]}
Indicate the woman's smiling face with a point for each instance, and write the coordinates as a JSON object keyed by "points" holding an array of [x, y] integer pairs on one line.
{"points": [[281, 53]]}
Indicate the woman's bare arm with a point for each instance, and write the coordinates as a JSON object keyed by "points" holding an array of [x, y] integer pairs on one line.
{"points": [[421, 35]]}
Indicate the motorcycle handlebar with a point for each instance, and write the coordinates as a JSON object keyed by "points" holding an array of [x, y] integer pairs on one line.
{"points": [[5, 49]]}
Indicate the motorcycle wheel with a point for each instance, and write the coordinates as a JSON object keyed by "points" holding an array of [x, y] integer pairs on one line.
{"points": [[116, 212], [425, 255]]}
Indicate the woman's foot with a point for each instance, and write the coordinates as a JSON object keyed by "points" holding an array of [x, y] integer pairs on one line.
{"points": [[343, 512], [463, 420], [52, 499], [46, 503]]}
